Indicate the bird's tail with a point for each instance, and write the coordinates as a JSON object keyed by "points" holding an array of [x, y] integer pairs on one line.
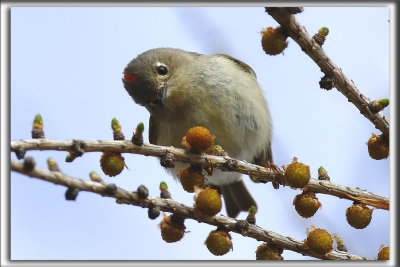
{"points": [[237, 198]]}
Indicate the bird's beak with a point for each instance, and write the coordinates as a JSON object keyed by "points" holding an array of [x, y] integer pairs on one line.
{"points": [[162, 94], [163, 91]]}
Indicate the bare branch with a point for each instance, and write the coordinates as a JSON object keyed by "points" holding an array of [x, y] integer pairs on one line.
{"points": [[168, 205], [299, 34], [225, 163]]}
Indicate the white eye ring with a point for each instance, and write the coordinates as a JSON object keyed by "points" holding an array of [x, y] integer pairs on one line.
{"points": [[161, 69]]}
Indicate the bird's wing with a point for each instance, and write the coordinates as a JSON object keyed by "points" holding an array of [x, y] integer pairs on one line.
{"points": [[240, 64]]}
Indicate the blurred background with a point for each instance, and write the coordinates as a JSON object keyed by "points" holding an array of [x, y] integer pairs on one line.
{"points": [[67, 64]]}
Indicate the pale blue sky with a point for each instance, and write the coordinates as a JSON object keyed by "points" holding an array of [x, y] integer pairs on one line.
{"points": [[67, 63]]}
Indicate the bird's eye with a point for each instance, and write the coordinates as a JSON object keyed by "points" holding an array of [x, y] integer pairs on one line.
{"points": [[162, 70]]}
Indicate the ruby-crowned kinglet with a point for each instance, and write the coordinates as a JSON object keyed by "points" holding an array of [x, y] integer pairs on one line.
{"points": [[184, 89]]}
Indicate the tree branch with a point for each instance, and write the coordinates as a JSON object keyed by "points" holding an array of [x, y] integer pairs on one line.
{"points": [[299, 34], [168, 205], [225, 163]]}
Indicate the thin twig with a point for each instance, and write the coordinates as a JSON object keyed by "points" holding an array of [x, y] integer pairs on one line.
{"points": [[299, 34], [225, 163], [168, 205]]}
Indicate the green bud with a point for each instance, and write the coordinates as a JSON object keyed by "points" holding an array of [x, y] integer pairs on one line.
{"points": [[378, 105], [38, 121], [116, 127], [218, 147], [140, 128], [323, 31], [52, 165], [37, 127], [95, 177], [51, 161], [384, 103], [322, 171], [137, 137], [163, 186], [323, 174], [69, 157], [253, 209]]}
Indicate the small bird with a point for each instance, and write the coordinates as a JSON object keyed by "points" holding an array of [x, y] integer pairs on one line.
{"points": [[184, 89]]}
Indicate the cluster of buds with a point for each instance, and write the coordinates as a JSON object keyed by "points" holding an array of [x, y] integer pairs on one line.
{"points": [[274, 40], [198, 139], [207, 202], [191, 178], [172, 228], [297, 174], [219, 242], [319, 241], [306, 204], [378, 147], [268, 252], [359, 215], [112, 163]]}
